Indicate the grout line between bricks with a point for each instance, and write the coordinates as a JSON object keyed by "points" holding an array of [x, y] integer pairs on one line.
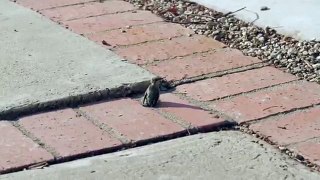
{"points": [[253, 91], [172, 118], [130, 143], [279, 116], [66, 5], [175, 119], [145, 42], [28, 134], [220, 73], [280, 113], [263, 89], [303, 141], [112, 132], [188, 126], [167, 39], [203, 105], [267, 138], [157, 61], [113, 29], [103, 14]]}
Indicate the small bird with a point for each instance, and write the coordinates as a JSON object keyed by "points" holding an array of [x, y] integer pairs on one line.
{"points": [[152, 94]]}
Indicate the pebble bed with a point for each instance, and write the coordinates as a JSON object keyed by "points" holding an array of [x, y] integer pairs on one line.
{"points": [[301, 58]]}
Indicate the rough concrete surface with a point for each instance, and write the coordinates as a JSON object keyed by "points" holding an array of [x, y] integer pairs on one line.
{"points": [[297, 18], [41, 61], [217, 155]]}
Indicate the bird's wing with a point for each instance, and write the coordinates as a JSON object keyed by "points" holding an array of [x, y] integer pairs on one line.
{"points": [[144, 98], [155, 99]]}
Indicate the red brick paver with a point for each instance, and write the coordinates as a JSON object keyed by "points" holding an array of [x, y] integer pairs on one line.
{"points": [[219, 87], [86, 10], [192, 114], [46, 4], [111, 21], [131, 119], [200, 64], [68, 133], [17, 150], [149, 52], [292, 128], [310, 151], [139, 34], [263, 103]]}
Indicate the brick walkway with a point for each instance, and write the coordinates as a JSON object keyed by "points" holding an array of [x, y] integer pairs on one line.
{"points": [[273, 104]]}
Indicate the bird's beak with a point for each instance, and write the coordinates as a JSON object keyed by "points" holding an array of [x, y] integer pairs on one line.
{"points": [[159, 79]]}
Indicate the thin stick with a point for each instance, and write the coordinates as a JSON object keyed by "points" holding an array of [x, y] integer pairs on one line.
{"points": [[229, 13], [257, 16]]}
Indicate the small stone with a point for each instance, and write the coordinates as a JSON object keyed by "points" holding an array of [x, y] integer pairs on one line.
{"points": [[281, 148], [296, 69], [176, 19], [258, 52], [210, 24], [299, 157], [207, 33], [316, 66], [305, 53], [215, 32], [217, 37], [290, 51], [261, 39], [279, 56]]}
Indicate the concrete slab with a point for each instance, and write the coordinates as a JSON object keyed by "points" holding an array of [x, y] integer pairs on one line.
{"points": [[217, 155], [297, 18], [41, 61]]}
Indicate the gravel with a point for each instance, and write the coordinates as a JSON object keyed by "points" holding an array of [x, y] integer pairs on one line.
{"points": [[301, 58]]}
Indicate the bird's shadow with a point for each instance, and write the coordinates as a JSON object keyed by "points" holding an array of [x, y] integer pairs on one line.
{"points": [[166, 104]]}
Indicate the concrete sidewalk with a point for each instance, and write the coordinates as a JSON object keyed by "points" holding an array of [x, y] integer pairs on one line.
{"points": [[218, 155], [42, 62]]}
